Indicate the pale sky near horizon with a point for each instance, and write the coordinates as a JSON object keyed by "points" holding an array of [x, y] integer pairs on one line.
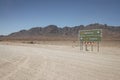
{"points": [[24, 14]]}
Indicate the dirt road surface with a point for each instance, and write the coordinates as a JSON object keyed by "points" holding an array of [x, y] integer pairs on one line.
{"points": [[58, 62]]}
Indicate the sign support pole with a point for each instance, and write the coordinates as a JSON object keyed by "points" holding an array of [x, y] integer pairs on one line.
{"points": [[81, 45], [98, 46], [92, 47], [86, 47]]}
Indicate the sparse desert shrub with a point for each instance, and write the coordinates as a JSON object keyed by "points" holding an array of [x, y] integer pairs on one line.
{"points": [[31, 42]]}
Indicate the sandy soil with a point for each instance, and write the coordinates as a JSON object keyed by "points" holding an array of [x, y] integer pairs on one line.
{"points": [[57, 62]]}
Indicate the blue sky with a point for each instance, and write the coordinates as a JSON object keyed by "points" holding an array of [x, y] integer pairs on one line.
{"points": [[24, 14]]}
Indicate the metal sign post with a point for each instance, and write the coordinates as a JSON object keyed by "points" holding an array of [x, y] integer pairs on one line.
{"points": [[98, 46], [80, 42], [81, 45], [86, 47], [90, 36], [92, 46]]}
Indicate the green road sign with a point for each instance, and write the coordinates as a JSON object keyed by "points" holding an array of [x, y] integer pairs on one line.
{"points": [[91, 35]]}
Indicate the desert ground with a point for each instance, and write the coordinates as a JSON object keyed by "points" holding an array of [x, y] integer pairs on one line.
{"points": [[58, 61]]}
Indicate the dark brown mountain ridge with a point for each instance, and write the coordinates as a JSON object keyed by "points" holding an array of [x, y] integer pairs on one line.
{"points": [[55, 32]]}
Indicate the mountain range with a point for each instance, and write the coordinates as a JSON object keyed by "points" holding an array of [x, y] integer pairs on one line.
{"points": [[53, 32]]}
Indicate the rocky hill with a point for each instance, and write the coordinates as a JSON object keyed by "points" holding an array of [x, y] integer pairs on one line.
{"points": [[53, 32]]}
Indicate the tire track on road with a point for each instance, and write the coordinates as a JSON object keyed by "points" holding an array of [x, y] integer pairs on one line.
{"points": [[19, 64]]}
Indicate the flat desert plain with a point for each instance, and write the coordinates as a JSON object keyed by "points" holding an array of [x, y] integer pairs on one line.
{"points": [[20, 61]]}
